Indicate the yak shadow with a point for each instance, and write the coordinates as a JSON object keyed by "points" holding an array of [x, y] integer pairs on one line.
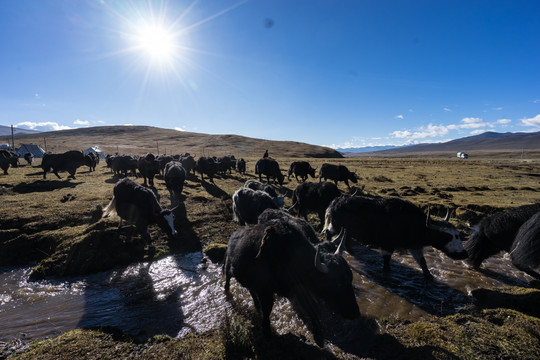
{"points": [[126, 299], [506, 279], [44, 186], [35, 174], [187, 239], [526, 303], [358, 337], [431, 295], [214, 190]]}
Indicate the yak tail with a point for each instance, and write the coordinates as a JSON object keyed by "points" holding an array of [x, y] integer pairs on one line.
{"points": [[110, 209]]}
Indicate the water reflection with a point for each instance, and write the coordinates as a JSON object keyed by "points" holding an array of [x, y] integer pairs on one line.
{"points": [[178, 295]]}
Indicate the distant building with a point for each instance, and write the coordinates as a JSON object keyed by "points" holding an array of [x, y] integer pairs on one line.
{"points": [[462, 155]]}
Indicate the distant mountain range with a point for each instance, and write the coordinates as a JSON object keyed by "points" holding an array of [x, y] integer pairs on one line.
{"points": [[365, 149], [6, 131], [488, 141]]}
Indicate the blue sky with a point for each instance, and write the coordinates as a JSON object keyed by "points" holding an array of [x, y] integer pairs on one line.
{"points": [[337, 73]]}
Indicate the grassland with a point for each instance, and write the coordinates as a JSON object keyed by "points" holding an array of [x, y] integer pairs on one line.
{"points": [[58, 224]]}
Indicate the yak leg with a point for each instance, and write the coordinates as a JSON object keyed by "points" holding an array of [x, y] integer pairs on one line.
{"points": [[56, 173], [266, 302], [418, 255], [386, 254]]}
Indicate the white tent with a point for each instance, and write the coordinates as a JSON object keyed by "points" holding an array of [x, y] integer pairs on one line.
{"points": [[35, 150], [5, 146], [96, 150]]}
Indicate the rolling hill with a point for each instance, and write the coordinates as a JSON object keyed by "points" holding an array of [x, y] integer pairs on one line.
{"points": [[143, 139], [5, 131], [486, 144]]}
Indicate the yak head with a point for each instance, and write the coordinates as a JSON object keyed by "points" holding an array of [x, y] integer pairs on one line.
{"points": [[353, 177], [165, 220], [445, 237], [334, 280], [311, 171]]}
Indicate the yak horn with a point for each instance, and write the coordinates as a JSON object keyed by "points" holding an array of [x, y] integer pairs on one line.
{"points": [[318, 264], [342, 238], [355, 191], [428, 219], [447, 217], [292, 207]]}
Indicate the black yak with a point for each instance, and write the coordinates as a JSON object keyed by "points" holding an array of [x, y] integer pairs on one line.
{"points": [[138, 205], [392, 224], [497, 232], [275, 257], [302, 169], [269, 167], [337, 173]]}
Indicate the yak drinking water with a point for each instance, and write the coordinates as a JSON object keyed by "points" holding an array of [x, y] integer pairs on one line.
{"points": [[275, 257], [392, 224], [138, 205], [497, 232]]}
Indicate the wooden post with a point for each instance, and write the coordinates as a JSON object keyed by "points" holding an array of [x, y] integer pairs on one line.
{"points": [[12, 139], [45, 143], [157, 145]]}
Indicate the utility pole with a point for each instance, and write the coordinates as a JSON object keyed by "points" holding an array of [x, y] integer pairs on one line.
{"points": [[157, 145], [12, 139], [45, 143]]}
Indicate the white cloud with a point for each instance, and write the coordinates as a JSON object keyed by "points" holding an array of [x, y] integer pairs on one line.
{"points": [[535, 121], [537, 101], [127, 124], [472, 123], [498, 108], [447, 109], [43, 126], [503, 121], [179, 128], [399, 117], [81, 122], [422, 133], [36, 95]]}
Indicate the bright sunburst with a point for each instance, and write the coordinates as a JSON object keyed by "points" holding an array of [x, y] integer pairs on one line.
{"points": [[157, 42]]}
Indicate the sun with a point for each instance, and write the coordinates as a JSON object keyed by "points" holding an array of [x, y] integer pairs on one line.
{"points": [[157, 42]]}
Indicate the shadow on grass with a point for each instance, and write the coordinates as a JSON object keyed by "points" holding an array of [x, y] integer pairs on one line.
{"points": [[503, 278], [214, 190], [44, 186]]}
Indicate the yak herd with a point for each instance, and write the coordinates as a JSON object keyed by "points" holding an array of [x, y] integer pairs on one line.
{"points": [[277, 251]]}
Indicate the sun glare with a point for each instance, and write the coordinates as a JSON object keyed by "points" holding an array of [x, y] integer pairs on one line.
{"points": [[156, 42]]}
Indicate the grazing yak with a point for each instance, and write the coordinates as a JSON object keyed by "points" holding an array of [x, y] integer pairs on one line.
{"points": [[226, 163], [138, 205], [269, 167], [175, 176], [148, 167], [69, 161], [525, 250], [248, 204], [241, 166], [302, 169], [497, 233], [122, 164], [392, 224], [208, 166], [8, 158], [314, 197], [275, 257], [337, 173], [93, 160], [188, 163], [29, 157]]}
